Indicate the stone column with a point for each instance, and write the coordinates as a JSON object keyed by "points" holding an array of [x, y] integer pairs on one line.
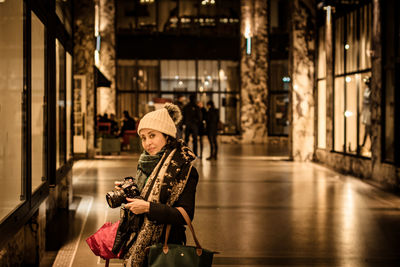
{"points": [[302, 68], [107, 55], [84, 61], [254, 71], [329, 78]]}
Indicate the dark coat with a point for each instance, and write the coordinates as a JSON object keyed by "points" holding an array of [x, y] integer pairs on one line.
{"points": [[212, 121], [163, 214], [192, 115]]}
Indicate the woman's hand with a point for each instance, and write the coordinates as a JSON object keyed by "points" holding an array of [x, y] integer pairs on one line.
{"points": [[137, 206]]}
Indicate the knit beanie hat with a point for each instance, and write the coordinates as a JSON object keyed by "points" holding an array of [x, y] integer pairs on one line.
{"points": [[163, 120]]}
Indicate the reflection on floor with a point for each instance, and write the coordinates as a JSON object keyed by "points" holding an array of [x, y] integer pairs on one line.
{"points": [[257, 211]]}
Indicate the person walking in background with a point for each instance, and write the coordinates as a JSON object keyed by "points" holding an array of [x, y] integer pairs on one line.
{"points": [[180, 103], [128, 123], [191, 120], [114, 124], [212, 120], [202, 126]]}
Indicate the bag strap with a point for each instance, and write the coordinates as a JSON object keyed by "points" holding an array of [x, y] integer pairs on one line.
{"points": [[199, 249]]}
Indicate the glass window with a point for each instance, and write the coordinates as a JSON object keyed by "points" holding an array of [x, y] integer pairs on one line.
{"points": [[63, 11], [351, 46], [208, 75], [339, 46], [350, 113], [321, 53], [365, 37], [278, 121], [69, 105], [279, 75], [60, 108], [339, 114], [352, 116], [145, 13], [229, 76], [11, 89], [389, 75], [38, 105], [229, 112], [321, 114], [178, 75], [168, 15]]}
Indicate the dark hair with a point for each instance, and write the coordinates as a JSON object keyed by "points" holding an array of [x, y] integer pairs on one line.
{"points": [[211, 103], [171, 141], [192, 98]]}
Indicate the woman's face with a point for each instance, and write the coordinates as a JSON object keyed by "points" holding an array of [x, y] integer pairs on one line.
{"points": [[152, 141]]}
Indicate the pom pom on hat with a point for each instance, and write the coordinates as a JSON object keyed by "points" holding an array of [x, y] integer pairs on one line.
{"points": [[163, 120], [174, 112]]}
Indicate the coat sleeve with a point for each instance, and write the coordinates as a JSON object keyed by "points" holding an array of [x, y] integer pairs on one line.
{"points": [[163, 214]]}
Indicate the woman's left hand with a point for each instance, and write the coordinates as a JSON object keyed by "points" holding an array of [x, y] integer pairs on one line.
{"points": [[137, 206]]}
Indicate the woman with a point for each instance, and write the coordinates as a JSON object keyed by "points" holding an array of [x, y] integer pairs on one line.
{"points": [[166, 179]]}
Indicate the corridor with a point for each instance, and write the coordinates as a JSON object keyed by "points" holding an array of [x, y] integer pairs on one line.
{"points": [[255, 210]]}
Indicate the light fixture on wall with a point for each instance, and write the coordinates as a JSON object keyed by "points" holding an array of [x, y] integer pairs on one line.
{"points": [[247, 36], [207, 2], [144, 2]]}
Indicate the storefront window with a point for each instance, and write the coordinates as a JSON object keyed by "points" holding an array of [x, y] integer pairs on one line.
{"points": [[178, 75], [339, 46], [63, 11], [207, 78], [11, 90], [391, 37], [321, 87], [142, 82], [321, 114], [69, 105], [60, 108], [38, 105], [352, 116], [339, 115], [350, 113]]}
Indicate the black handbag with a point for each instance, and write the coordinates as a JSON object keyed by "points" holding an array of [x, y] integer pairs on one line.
{"points": [[173, 255]]}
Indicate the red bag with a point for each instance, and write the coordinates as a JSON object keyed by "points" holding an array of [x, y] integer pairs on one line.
{"points": [[101, 242]]}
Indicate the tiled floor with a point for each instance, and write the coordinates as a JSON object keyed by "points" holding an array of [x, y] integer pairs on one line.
{"points": [[257, 211]]}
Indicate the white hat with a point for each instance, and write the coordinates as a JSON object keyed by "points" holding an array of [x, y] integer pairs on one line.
{"points": [[162, 120]]}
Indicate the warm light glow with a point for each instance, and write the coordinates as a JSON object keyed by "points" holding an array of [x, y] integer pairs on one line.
{"points": [[247, 31], [347, 46], [222, 75], [286, 79], [176, 77], [348, 79], [96, 20], [96, 58], [208, 2], [348, 113]]}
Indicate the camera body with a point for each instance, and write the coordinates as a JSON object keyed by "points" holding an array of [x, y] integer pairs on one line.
{"points": [[128, 188]]}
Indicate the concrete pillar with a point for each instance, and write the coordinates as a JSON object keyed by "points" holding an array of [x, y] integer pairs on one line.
{"points": [[254, 71], [107, 56], [84, 62], [302, 53]]}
